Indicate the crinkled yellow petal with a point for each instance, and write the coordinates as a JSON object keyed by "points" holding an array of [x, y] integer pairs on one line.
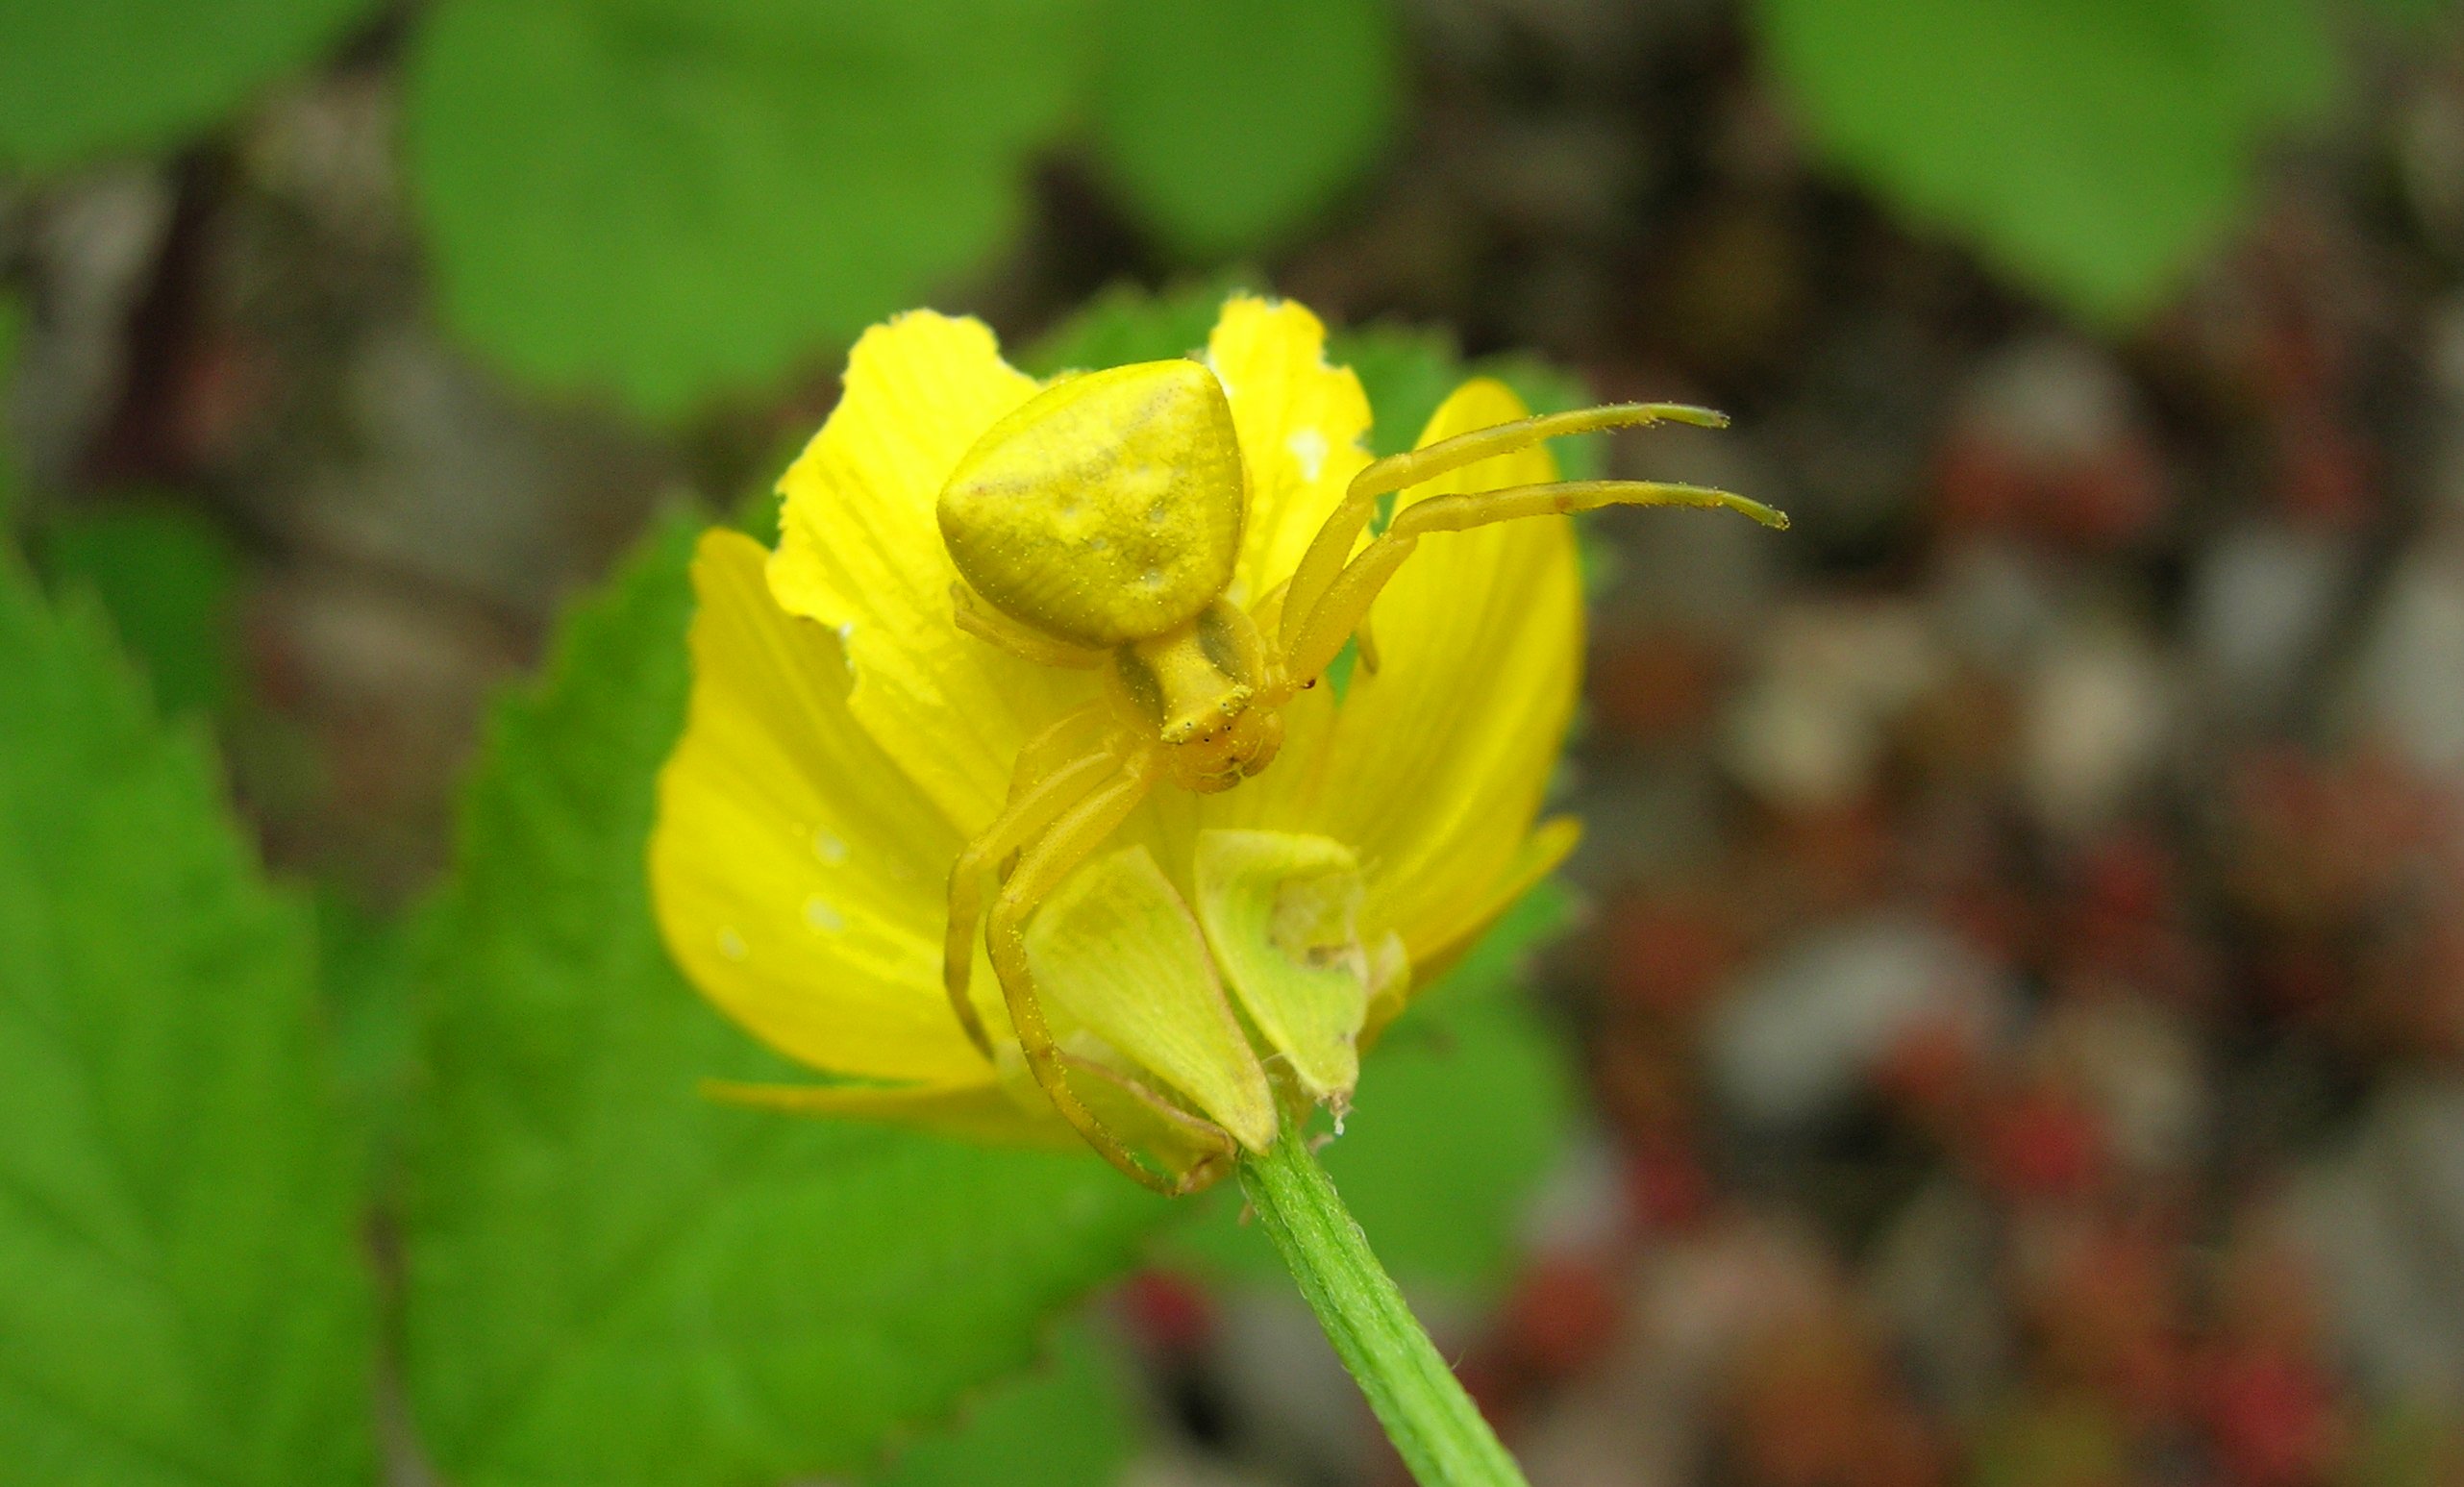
{"points": [[974, 1112], [1281, 911], [1302, 427], [795, 869], [1116, 950], [860, 551], [1434, 768]]}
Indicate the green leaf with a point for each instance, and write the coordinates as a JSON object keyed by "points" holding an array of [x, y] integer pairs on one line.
{"points": [[8, 454], [670, 199], [167, 578], [1064, 1423], [181, 1299], [1229, 124], [1127, 323], [2417, 14], [1462, 1110], [1408, 371], [2095, 148], [1462, 1107], [79, 78], [12, 322], [368, 975], [612, 1280]]}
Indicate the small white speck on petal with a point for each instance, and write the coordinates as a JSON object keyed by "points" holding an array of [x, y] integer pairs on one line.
{"points": [[828, 848], [821, 918], [732, 944], [1308, 447], [846, 631]]}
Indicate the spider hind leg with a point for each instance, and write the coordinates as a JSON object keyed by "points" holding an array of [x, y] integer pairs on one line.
{"points": [[1041, 868], [1056, 771], [977, 619]]}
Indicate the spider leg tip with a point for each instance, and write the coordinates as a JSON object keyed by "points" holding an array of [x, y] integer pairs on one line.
{"points": [[1688, 413]]}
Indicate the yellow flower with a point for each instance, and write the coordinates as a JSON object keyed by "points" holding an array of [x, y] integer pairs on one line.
{"points": [[848, 738]]}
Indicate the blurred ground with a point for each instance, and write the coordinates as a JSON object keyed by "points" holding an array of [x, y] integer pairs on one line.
{"points": [[2025, 989]]}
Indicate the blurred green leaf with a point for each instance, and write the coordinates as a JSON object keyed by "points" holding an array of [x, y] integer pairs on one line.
{"points": [[180, 1298], [1408, 371], [1126, 323], [81, 78], [167, 578], [1463, 1106], [1230, 123], [612, 1280], [1063, 1424], [2095, 148], [670, 199], [369, 973], [11, 323], [2414, 13]]}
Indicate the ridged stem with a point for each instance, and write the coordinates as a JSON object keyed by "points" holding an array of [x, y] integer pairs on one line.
{"points": [[1434, 1424]]}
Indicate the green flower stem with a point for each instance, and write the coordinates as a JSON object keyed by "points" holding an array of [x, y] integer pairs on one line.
{"points": [[1434, 1424]]}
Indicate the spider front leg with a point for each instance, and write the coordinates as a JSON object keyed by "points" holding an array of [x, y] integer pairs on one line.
{"points": [[1325, 556], [1046, 863], [1315, 638]]}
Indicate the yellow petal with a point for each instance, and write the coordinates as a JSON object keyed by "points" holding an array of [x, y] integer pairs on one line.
{"points": [[1116, 950], [796, 871], [1434, 767], [1281, 911], [974, 1112], [860, 552], [1302, 424], [1541, 852]]}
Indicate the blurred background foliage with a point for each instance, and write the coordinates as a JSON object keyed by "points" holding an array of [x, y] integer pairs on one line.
{"points": [[2006, 1028], [668, 203]]}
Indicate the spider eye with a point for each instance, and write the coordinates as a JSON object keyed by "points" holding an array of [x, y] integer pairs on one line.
{"points": [[1107, 507]]}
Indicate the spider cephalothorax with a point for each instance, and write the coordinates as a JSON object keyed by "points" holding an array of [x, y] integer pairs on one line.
{"points": [[1098, 527]]}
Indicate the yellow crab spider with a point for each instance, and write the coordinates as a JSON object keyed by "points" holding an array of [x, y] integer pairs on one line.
{"points": [[1097, 526]]}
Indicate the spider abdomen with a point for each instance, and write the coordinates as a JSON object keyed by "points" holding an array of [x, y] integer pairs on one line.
{"points": [[1105, 508]]}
